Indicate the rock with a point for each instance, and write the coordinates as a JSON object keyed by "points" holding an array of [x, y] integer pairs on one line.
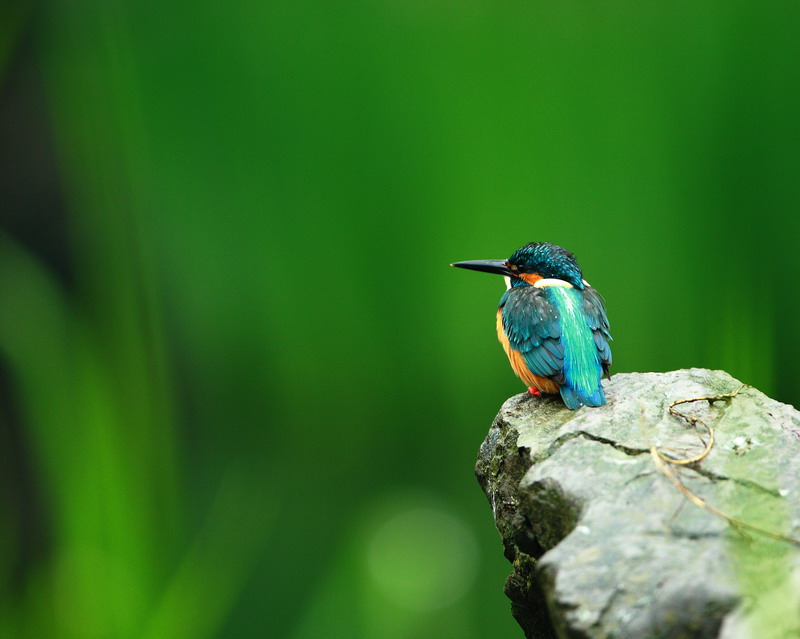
{"points": [[602, 541]]}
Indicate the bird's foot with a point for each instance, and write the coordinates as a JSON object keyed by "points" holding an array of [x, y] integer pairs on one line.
{"points": [[534, 391]]}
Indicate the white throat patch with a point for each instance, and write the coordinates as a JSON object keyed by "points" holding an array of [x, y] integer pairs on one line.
{"points": [[551, 281]]}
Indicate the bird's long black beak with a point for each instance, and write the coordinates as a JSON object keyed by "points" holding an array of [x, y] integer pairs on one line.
{"points": [[488, 266]]}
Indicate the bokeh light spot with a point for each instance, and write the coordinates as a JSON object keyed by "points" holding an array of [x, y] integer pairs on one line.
{"points": [[423, 558]]}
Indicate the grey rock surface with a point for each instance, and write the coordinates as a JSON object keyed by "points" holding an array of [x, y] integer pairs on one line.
{"points": [[602, 542]]}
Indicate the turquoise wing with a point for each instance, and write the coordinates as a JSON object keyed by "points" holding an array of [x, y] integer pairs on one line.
{"points": [[531, 323], [595, 310]]}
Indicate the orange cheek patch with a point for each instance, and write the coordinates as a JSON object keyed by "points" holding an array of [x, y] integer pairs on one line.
{"points": [[518, 364], [530, 278]]}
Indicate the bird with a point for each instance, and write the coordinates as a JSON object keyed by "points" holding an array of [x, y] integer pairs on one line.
{"points": [[552, 323]]}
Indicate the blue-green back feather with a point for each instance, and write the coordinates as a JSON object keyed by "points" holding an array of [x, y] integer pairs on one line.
{"points": [[582, 367]]}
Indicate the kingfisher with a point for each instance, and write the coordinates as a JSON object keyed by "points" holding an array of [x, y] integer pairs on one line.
{"points": [[551, 323]]}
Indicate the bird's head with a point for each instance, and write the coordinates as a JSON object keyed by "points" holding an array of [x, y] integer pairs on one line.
{"points": [[531, 263]]}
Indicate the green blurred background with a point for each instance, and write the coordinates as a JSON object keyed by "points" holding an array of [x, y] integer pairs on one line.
{"points": [[242, 392]]}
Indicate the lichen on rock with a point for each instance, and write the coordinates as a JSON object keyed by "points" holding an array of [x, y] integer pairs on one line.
{"points": [[601, 542]]}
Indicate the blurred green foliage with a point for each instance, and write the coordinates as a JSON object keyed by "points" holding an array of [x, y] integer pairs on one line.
{"points": [[249, 400]]}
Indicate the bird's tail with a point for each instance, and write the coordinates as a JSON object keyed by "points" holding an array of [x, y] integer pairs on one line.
{"points": [[575, 398]]}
